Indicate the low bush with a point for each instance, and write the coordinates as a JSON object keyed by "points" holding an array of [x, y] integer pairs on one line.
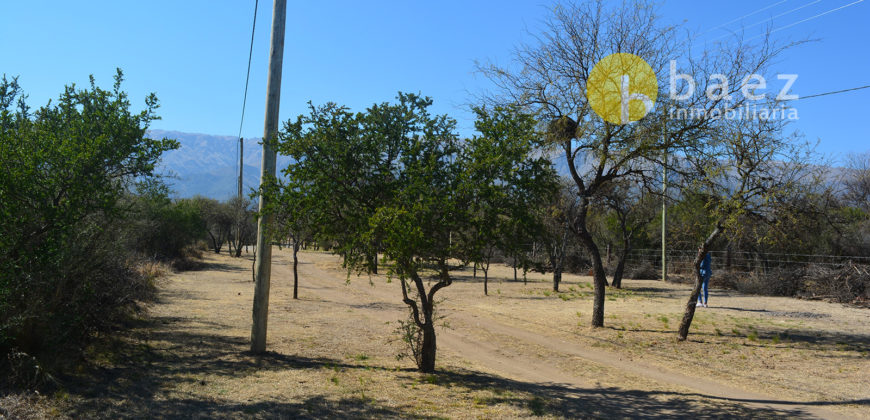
{"points": [[643, 271]]}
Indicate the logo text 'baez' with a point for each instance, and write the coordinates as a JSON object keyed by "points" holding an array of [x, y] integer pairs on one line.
{"points": [[623, 88]]}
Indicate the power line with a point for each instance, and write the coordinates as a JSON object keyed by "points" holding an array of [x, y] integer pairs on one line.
{"points": [[807, 19], [815, 16], [245, 98], [834, 92], [743, 17], [771, 18]]}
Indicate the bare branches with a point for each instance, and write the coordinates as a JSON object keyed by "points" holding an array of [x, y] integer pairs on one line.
{"points": [[857, 181]]}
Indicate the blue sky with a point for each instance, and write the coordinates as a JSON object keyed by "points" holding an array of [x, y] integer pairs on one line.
{"points": [[193, 54]]}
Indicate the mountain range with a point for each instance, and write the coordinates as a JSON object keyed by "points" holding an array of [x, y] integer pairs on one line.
{"points": [[207, 164]]}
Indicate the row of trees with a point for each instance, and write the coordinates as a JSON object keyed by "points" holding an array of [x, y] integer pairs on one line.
{"points": [[738, 167], [397, 182], [395, 188], [229, 223]]}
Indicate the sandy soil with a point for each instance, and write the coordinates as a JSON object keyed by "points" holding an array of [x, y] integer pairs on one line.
{"points": [[522, 351]]}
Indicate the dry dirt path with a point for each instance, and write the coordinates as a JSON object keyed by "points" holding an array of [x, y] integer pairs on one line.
{"points": [[468, 340], [522, 352]]}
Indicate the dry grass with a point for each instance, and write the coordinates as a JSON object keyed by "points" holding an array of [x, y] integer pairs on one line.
{"points": [[779, 346], [31, 405], [516, 353]]}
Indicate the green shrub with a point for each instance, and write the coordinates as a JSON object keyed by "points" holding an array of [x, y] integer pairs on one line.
{"points": [[64, 270], [160, 228]]}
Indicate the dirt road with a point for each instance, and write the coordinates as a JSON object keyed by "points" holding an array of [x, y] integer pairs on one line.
{"points": [[521, 352], [468, 341]]}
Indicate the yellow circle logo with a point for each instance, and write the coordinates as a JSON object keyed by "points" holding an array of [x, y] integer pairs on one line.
{"points": [[622, 88]]}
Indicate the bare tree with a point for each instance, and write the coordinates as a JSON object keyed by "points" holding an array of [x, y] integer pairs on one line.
{"points": [[557, 219], [243, 225], [857, 180], [746, 169], [633, 207], [550, 78]]}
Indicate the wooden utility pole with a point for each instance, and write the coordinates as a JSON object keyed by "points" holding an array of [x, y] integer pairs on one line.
{"points": [[263, 255], [241, 163]]}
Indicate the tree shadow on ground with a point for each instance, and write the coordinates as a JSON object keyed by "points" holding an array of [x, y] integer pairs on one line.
{"points": [[776, 337], [610, 402], [655, 292], [158, 356], [466, 276], [153, 358], [316, 407], [217, 266]]}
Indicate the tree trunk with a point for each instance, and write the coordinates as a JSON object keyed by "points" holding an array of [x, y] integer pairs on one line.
{"points": [[485, 280], [620, 264], [689, 313], [515, 269], [557, 278], [239, 248], [373, 263], [474, 275], [214, 243], [599, 278], [425, 358], [295, 270], [599, 284], [617, 273], [426, 364]]}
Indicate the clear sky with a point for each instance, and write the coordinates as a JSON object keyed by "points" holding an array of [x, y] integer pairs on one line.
{"points": [[193, 54]]}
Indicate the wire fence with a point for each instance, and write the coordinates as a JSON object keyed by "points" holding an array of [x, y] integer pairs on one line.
{"points": [[680, 261]]}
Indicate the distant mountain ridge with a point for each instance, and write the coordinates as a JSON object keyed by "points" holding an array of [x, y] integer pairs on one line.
{"points": [[207, 165]]}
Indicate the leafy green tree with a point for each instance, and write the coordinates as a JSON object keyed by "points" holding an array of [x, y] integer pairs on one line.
{"points": [[160, 228], [415, 230], [393, 179], [506, 183], [218, 219], [64, 171], [383, 178], [343, 170], [293, 218]]}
